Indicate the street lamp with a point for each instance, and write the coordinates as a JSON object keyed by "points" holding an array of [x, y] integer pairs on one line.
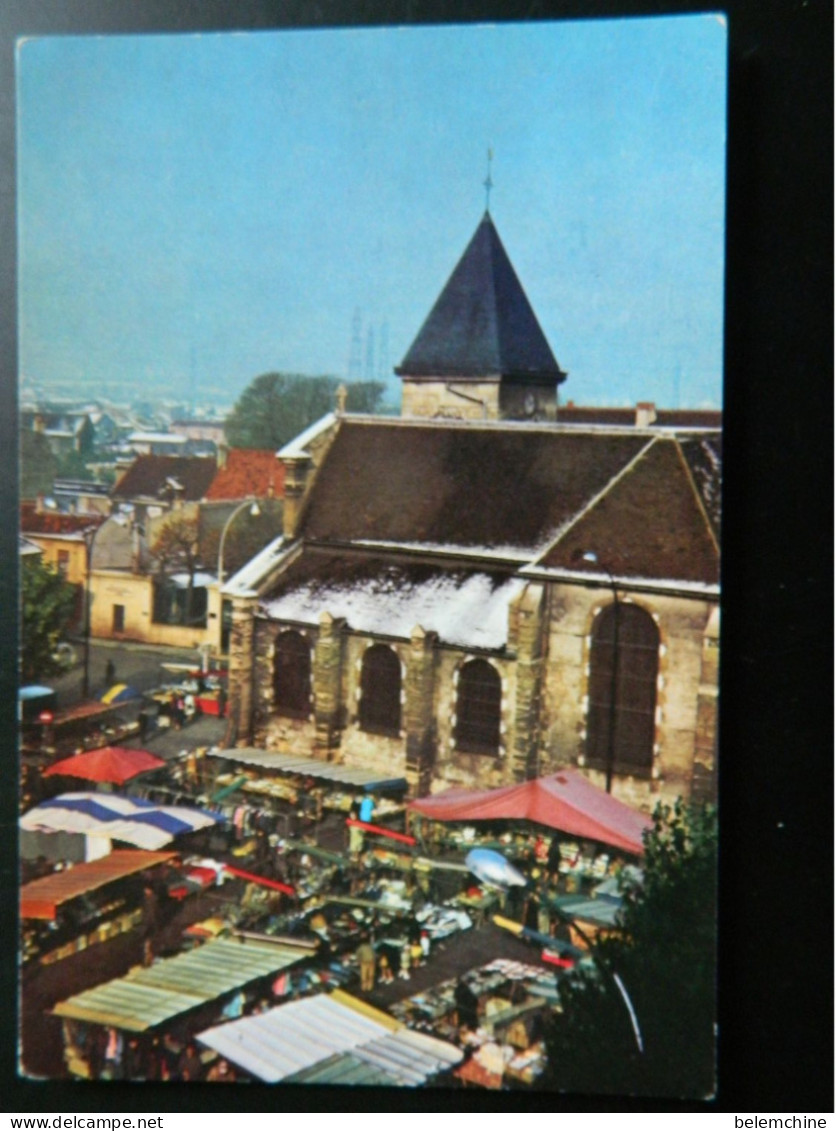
{"points": [[89, 536], [591, 556], [254, 512]]}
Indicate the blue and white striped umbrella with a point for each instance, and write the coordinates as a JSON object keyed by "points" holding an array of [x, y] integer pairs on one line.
{"points": [[130, 819]]}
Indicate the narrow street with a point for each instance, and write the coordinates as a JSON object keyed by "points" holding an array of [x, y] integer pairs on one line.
{"points": [[139, 665]]}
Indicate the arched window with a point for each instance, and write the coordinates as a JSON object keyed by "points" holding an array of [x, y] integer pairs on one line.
{"points": [[624, 666], [292, 676], [478, 708], [380, 691]]}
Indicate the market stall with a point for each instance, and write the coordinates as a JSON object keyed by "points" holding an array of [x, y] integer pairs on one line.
{"points": [[182, 993], [113, 764], [271, 773], [566, 801], [103, 818], [85, 726], [334, 1039], [494, 1014], [560, 827], [75, 908]]}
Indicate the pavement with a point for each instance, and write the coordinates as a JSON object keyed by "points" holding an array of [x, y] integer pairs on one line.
{"points": [[139, 665], [168, 743], [451, 958]]}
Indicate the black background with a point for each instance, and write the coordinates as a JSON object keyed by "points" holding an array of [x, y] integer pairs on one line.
{"points": [[776, 908]]}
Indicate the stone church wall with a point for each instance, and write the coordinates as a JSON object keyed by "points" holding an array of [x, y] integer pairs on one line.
{"points": [[682, 625], [434, 398], [544, 676]]}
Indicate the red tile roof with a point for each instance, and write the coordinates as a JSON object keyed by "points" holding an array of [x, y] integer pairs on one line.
{"points": [[248, 472], [53, 522], [572, 413]]}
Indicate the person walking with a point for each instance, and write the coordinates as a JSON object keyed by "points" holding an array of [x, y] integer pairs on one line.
{"points": [[110, 674], [150, 923], [189, 1066], [365, 956]]}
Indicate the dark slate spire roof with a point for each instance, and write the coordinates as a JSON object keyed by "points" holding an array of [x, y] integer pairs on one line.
{"points": [[482, 322]]}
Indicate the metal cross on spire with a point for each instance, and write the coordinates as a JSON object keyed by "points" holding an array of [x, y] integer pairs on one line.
{"points": [[488, 183]]}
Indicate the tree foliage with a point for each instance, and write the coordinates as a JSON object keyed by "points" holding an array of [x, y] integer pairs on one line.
{"points": [[176, 548], [38, 465], [275, 407], [665, 959], [47, 609], [177, 544], [73, 465]]}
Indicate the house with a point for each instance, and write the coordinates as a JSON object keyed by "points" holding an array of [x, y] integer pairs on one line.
{"points": [[62, 541], [157, 443], [154, 484], [59, 537], [66, 431], [144, 592], [81, 496], [475, 600], [644, 414], [200, 430]]}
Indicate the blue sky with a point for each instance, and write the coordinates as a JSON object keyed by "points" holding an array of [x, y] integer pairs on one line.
{"points": [[211, 207]]}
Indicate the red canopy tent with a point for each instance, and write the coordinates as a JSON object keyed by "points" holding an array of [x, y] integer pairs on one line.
{"points": [[566, 801], [111, 763]]}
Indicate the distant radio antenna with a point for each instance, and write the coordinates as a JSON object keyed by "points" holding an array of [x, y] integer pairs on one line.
{"points": [[383, 353], [355, 356], [192, 382], [488, 183], [369, 370]]}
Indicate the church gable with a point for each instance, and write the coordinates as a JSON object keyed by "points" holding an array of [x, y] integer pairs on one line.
{"points": [[648, 525]]}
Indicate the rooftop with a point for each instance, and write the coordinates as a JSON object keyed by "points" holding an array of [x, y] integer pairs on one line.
{"points": [[148, 476], [248, 472], [33, 521], [468, 608], [482, 322]]}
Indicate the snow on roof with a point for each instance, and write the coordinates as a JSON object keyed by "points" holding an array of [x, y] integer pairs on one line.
{"points": [[502, 553], [250, 576], [550, 573], [467, 609], [298, 445], [156, 438]]}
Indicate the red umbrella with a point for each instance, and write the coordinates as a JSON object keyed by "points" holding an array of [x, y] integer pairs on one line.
{"points": [[112, 764]]}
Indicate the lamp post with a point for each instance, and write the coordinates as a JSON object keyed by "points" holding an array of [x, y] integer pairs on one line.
{"points": [[592, 557], [254, 511], [89, 536]]}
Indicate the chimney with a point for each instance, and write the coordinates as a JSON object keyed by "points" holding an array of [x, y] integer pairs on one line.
{"points": [[223, 454], [645, 414], [295, 482], [38, 425], [39, 503], [136, 548], [342, 395]]}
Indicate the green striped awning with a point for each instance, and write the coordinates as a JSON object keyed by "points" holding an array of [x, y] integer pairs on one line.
{"points": [[154, 994], [312, 768]]}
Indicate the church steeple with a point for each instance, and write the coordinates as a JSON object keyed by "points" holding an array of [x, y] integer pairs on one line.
{"points": [[481, 332]]}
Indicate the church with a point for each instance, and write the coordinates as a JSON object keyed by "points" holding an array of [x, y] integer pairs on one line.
{"points": [[477, 592]]}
